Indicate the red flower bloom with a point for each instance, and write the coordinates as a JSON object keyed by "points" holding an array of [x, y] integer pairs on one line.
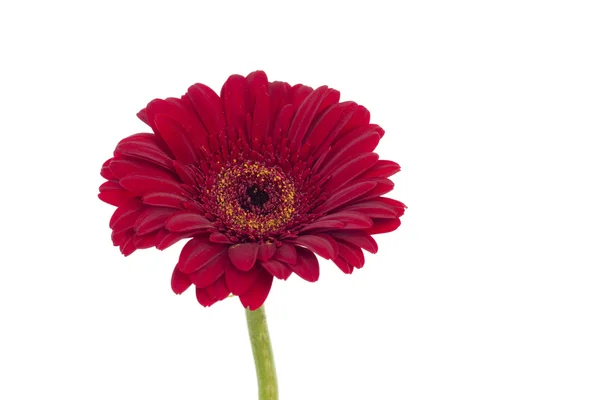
{"points": [[261, 178]]}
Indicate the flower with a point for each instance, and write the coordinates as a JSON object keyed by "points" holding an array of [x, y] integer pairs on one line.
{"points": [[261, 178]]}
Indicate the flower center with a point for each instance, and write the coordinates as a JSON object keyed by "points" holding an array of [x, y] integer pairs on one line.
{"points": [[252, 200], [257, 196]]}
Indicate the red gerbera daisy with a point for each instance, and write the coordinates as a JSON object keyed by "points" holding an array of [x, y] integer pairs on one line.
{"points": [[261, 179]]}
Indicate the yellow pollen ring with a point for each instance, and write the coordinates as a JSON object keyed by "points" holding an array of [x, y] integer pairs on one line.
{"points": [[232, 205]]}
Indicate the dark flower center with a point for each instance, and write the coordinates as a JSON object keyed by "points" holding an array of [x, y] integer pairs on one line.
{"points": [[257, 196], [253, 200]]}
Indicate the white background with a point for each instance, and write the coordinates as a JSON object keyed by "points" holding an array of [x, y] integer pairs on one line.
{"points": [[489, 290]]}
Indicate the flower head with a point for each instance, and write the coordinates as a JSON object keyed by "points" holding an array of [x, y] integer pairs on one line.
{"points": [[261, 178]]}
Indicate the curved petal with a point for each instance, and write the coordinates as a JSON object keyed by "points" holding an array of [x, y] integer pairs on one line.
{"points": [[307, 112], [121, 167], [144, 146], [286, 253], [349, 169], [167, 239], [210, 295], [256, 295], [218, 290], [266, 251], [352, 254], [179, 281], [243, 255], [374, 208], [176, 138], [187, 221], [164, 200], [383, 225], [345, 195], [307, 265], [322, 245], [197, 253], [277, 268], [343, 265], [125, 216], [209, 107], [349, 220], [210, 272], [357, 238], [239, 281], [151, 219], [382, 169], [143, 184], [112, 193]]}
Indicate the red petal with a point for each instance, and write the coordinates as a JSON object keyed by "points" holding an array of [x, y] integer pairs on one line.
{"points": [[277, 268], [218, 237], [239, 281], [350, 169], [110, 185], [218, 290], [179, 281], [261, 113], [119, 237], [344, 113], [144, 146], [124, 217], [164, 200], [210, 272], [145, 241], [266, 251], [383, 226], [105, 171], [363, 141], [204, 298], [197, 253], [322, 225], [277, 95], [127, 247], [282, 124], [324, 126], [176, 138], [322, 245], [166, 239], [243, 255], [343, 265], [143, 116], [357, 238], [360, 117], [286, 253], [152, 219], [113, 194], [350, 219], [182, 112], [383, 186], [394, 203], [185, 172], [143, 184], [307, 112], [373, 208], [307, 266], [351, 253], [382, 169], [236, 96], [254, 297], [344, 196], [187, 221], [123, 167], [209, 107]]}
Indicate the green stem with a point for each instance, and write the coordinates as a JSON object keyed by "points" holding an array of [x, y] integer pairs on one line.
{"points": [[263, 354]]}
